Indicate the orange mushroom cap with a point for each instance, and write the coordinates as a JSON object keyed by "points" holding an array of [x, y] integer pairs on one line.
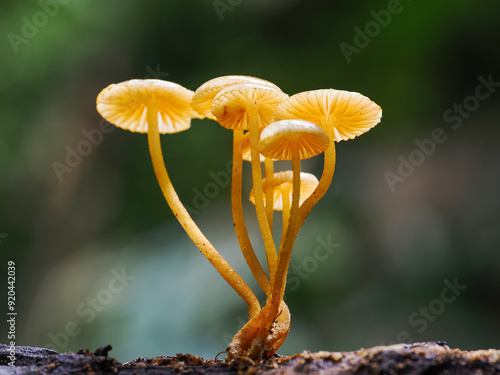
{"points": [[350, 113], [126, 104], [231, 105], [278, 139], [282, 183], [205, 94]]}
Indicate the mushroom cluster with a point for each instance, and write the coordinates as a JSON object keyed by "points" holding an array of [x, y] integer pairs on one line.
{"points": [[268, 125]]}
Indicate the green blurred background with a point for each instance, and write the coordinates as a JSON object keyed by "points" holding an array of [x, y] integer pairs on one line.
{"points": [[396, 250]]}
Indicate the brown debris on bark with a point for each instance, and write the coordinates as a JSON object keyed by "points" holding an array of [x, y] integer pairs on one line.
{"points": [[419, 358]]}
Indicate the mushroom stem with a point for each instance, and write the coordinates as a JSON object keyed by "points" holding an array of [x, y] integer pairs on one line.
{"points": [[285, 213], [269, 174], [278, 282], [262, 335], [296, 183], [267, 235], [324, 182], [238, 217], [180, 212]]}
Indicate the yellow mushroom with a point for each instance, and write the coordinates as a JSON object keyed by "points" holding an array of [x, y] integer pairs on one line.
{"points": [[155, 106], [281, 188], [293, 140], [342, 115], [251, 107]]}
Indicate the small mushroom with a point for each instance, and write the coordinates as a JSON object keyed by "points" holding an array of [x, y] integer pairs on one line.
{"points": [[155, 106], [342, 115], [281, 187], [293, 140], [251, 107]]}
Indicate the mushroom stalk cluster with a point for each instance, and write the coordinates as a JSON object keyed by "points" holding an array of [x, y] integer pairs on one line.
{"points": [[268, 126]]}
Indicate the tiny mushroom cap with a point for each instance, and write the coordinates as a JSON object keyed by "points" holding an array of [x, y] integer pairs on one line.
{"points": [[350, 113], [205, 94], [282, 183], [126, 104], [278, 139], [232, 105]]}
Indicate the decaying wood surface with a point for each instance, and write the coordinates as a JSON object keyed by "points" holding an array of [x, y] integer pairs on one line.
{"points": [[419, 358]]}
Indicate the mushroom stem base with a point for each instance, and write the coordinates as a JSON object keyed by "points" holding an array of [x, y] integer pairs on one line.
{"points": [[262, 335]]}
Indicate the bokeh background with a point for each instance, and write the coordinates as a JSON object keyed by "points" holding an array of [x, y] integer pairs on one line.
{"points": [[99, 257]]}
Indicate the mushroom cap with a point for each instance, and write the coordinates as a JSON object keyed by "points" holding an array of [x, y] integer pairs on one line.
{"points": [[231, 105], [125, 105], [205, 94], [350, 113], [247, 151], [278, 139], [282, 183]]}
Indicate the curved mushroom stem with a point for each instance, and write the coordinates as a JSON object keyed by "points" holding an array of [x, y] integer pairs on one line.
{"points": [[324, 182], [278, 282], [238, 217], [267, 236], [180, 212], [269, 174]]}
